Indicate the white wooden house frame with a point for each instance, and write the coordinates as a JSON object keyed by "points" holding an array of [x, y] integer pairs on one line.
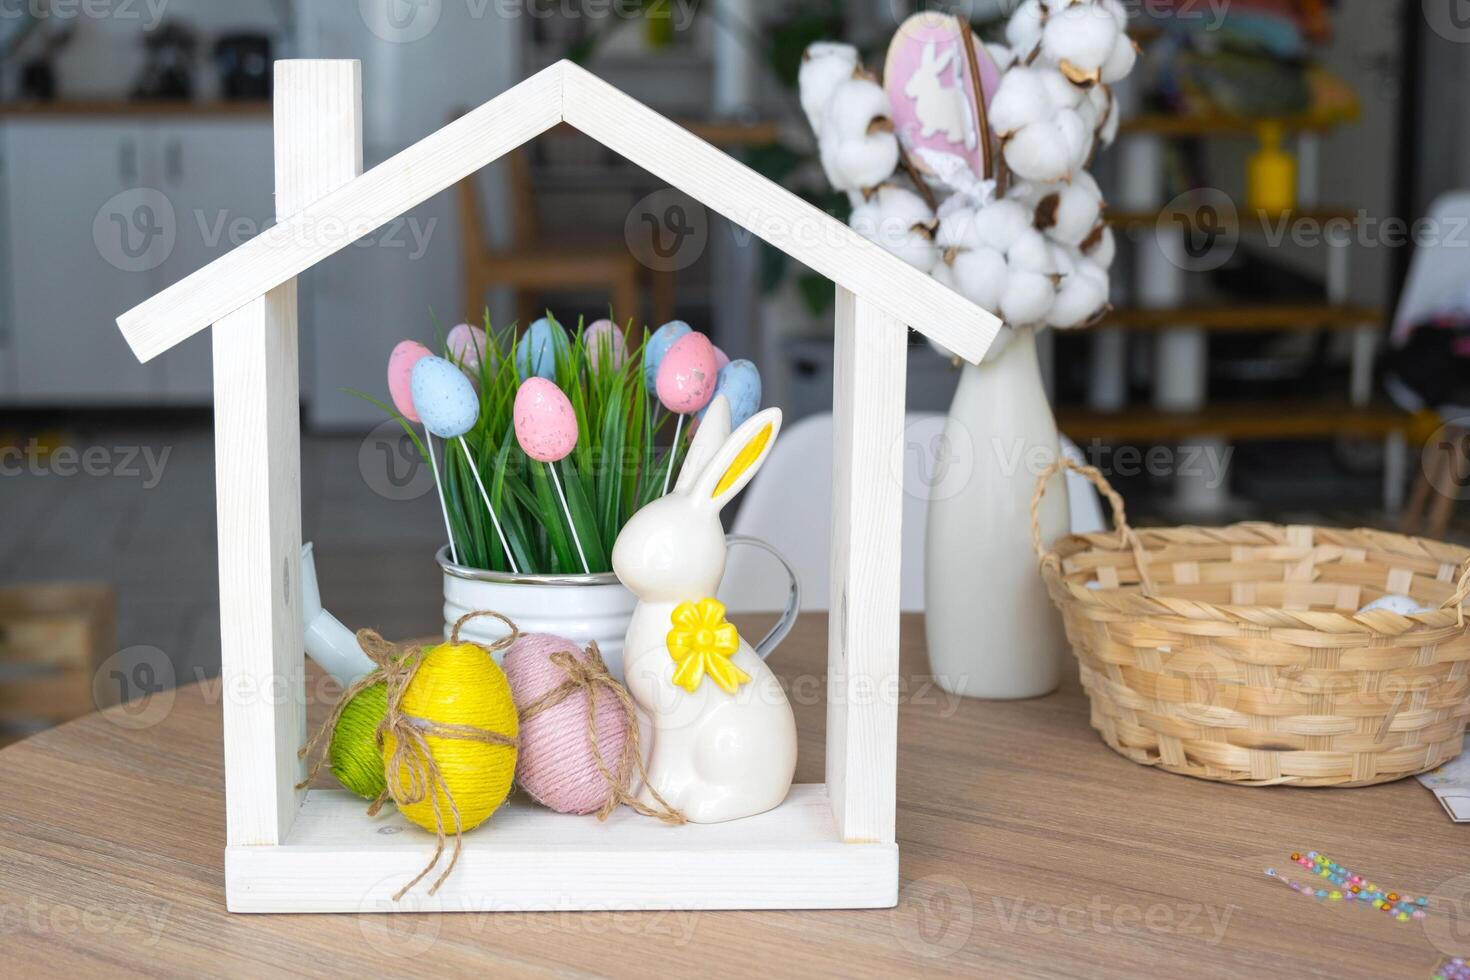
{"points": [[830, 845]]}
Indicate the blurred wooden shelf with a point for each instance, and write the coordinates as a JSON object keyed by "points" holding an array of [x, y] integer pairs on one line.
{"points": [[1222, 124], [180, 108], [1246, 319], [1236, 422], [1145, 220]]}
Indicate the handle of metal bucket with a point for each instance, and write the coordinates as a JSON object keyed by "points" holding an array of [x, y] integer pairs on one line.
{"points": [[1126, 536], [1461, 593]]}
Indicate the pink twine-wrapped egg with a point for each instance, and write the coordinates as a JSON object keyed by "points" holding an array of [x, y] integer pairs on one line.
{"points": [[556, 765]]}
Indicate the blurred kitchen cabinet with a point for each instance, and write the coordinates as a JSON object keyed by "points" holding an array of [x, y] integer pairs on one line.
{"points": [[102, 213], [80, 233], [219, 176]]}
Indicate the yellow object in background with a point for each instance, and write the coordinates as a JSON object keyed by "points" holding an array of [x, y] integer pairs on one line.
{"points": [[1271, 177], [458, 684]]}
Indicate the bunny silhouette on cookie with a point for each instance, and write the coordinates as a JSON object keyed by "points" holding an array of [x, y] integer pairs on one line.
{"points": [[940, 108], [723, 739]]}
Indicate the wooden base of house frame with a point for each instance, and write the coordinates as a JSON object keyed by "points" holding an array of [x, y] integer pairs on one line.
{"points": [[831, 845]]}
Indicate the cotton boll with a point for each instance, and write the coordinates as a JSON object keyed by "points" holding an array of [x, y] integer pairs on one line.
{"points": [[1063, 94], [1078, 137], [999, 224], [1119, 14], [1109, 131], [1004, 57], [1079, 39], [1070, 213], [1078, 300], [1120, 61], [1020, 100], [854, 153], [957, 230], [899, 221], [1027, 298], [1031, 253], [1023, 30], [824, 66], [1101, 248], [854, 104], [1041, 151], [979, 275]]}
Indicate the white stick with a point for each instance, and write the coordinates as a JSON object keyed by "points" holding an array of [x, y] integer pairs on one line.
{"points": [[443, 505], [510, 557], [673, 452], [576, 538]]}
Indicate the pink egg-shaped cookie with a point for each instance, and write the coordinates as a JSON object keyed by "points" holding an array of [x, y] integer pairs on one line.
{"points": [[556, 763], [546, 425], [605, 337], [721, 359], [467, 346], [931, 94], [686, 378], [401, 362]]}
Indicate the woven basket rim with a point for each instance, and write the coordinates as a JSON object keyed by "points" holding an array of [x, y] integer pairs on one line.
{"points": [[1378, 622]]}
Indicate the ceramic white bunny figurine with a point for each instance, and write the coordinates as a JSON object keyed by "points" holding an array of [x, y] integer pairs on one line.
{"points": [[723, 737]]}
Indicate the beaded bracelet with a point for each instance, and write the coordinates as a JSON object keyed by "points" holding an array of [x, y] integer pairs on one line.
{"points": [[1352, 887]]}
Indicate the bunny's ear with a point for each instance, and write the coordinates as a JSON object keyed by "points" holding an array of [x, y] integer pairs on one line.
{"points": [[713, 430], [738, 459]]}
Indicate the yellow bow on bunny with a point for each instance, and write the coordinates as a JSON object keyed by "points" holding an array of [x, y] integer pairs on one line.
{"points": [[702, 643]]}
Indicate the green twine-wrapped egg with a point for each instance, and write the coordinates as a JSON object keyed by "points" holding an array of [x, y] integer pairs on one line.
{"points": [[356, 760]]}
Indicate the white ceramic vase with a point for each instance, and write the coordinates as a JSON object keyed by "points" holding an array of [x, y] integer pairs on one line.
{"points": [[992, 630]]}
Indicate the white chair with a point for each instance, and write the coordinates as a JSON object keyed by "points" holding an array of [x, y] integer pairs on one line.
{"points": [[790, 505], [1440, 267]]}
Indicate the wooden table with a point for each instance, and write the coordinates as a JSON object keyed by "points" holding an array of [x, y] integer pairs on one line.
{"points": [[1028, 849]]}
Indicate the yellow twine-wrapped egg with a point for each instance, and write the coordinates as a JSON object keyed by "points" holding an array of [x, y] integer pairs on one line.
{"points": [[458, 684]]}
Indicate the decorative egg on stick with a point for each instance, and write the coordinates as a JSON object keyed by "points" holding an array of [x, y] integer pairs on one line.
{"points": [[658, 347], [446, 402], [469, 346], [603, 338], [740, 383], [538, 349], [406, 354], [546, 428], [685, 383]]}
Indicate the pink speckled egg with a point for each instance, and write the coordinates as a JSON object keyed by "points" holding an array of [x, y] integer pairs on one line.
{"points": [[401, 362], [686, 378], [467, 347], [546, 426], [604, 336], [555, 763], [721, 359]]}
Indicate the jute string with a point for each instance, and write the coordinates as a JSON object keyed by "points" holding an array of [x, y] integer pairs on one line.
{"points": [[412, 774], [589, 675]]}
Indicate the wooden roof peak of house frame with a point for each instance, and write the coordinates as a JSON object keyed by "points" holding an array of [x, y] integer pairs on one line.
{"points": [[563, 92]]}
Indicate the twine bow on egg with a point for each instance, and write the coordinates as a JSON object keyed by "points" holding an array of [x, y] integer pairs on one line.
{"points": [[589, 674], [412, 775]]}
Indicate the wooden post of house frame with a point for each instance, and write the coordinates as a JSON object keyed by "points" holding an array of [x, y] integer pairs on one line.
{"points": [[318, 148], [867, 508]]}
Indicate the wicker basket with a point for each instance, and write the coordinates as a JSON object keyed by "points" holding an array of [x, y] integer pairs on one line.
{"points": [[1237, 654]]}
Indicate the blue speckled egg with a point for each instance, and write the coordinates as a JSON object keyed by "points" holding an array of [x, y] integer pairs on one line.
{"points": [[538, 349], [658, 345], [444, 398], [740, 383]]}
